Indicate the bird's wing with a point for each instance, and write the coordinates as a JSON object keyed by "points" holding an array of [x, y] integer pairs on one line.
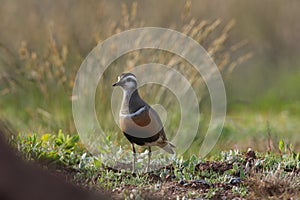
{"points": [[158, 123]]}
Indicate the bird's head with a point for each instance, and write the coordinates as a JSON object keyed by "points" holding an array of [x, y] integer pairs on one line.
{"points": [[127, 81]]}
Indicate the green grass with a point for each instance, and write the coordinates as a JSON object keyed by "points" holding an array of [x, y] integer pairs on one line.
{"points": [[229, 174], [260, 130]]}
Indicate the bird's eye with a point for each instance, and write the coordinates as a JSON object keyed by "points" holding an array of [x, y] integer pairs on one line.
{"points": [[128, 80]]}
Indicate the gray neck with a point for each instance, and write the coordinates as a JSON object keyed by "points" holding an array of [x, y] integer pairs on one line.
{"points": [[131, 101]]}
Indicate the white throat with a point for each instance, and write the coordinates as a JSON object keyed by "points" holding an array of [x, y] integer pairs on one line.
{"points": [[125, 102]]}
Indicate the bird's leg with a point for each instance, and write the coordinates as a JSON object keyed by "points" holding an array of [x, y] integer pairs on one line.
{"points": [[149, 156], [134, 158]]}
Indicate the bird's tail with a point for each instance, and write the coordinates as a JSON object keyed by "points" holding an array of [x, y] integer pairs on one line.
{"points": [[169, 147]]}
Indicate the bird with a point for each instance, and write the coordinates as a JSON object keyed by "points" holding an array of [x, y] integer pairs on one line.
{"points": [[138, 121]]}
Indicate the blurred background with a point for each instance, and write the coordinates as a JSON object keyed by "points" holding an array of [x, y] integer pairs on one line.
{"points": [[255, 45]]}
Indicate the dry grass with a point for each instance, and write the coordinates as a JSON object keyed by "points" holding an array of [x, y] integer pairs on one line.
{"points": [[48, 76], [274, 185]]}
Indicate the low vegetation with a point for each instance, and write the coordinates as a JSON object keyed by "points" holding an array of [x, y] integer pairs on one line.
{"points": [[234, 173]]}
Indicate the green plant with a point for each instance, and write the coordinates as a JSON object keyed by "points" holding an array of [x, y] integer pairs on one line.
{"points": [[281, 146], [222, 175], [57, 149]]}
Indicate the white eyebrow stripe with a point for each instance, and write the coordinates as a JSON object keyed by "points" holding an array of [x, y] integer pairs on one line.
{"points": [[136, 113], [130, 76]]}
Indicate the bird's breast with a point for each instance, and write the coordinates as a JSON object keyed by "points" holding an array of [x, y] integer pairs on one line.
{"points": [[143, 125]]}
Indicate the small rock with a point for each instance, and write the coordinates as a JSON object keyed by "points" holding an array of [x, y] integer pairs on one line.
{"points": [[235, 180], [182, 182], [131, 196], [134, 191], [157, 186], [116, 190], [168, 177], [201, 183], [185, 184]]}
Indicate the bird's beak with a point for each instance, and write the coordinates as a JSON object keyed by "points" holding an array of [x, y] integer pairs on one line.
{"points": [[115, 84]]}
